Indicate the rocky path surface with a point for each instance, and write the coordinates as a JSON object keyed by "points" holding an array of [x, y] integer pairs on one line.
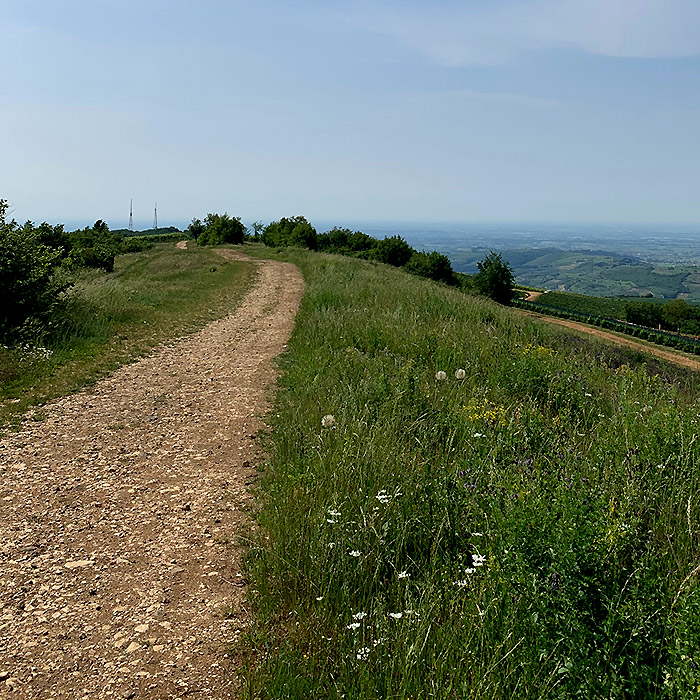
{"points": [[120, 514]]}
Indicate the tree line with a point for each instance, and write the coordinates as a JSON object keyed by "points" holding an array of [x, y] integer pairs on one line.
{"points": [[37, 262], [494, 278]]}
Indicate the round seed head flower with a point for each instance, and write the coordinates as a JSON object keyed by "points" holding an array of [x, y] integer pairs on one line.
{"points": [[440, 376], [460, 374], [328, 421]]}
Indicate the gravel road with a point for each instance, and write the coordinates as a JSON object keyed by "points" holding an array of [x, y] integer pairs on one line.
{"points": [[121, 510]]}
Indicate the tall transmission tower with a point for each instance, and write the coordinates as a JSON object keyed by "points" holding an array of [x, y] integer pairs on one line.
{"points": [[155, 216], [131, 215]]}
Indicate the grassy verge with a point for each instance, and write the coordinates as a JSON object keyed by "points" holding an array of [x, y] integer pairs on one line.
{"points": [[111, 319], [528, 530]]}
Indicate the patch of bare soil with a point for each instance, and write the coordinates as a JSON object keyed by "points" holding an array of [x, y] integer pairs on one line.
{"points": [[675, 357], [120, 513]]}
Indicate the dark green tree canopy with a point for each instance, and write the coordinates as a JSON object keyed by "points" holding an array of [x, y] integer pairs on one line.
{"points": [[94, 246], [495, 278], [292, 231], [219, 229], [392, 251], [28, 284], [433, 265], [196, 228]]}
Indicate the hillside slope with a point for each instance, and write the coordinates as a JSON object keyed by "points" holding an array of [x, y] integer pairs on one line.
{"points": [[462, 501]]}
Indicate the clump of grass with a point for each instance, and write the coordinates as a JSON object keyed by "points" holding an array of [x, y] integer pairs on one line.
{"points": [[111, 319], [526, 530]]}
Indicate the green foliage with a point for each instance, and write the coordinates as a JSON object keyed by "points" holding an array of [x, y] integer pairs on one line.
{"points": [[434, 266], [29, 287], [292, 231], [257, 227], [392, 250], [196, 228], [95, 246], [218, 229], [494, 279], [524, 531], [643, 313]]}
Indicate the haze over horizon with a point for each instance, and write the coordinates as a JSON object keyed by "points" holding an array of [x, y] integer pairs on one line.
{"points": [[512, 110]]}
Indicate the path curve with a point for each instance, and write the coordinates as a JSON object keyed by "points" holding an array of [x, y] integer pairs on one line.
{"points": [[120, 576], [675, 357]]}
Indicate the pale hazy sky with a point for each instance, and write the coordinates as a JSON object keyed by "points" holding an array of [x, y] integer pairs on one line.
{"points": [[541, 110]]}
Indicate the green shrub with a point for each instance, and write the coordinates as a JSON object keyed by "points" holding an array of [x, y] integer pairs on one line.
{"points": [[95, 246], [29, 287], [218, 229], [434, 266], [293, 231]]}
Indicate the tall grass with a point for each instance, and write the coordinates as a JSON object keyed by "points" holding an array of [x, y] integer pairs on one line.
{"points": [[529, 530], [111, 319]]}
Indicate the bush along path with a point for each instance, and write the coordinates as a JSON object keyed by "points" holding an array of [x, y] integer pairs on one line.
{"points": [[119, 513]]}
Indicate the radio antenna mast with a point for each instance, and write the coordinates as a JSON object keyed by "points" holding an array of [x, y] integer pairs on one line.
{"points": [[155, 216], [131, 215]]}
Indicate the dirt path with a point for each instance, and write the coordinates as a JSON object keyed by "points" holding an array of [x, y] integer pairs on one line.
{"points": [[119, 516], [675, 357]]}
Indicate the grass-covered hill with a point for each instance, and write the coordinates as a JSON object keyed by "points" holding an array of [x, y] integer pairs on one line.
{"points": [[463, 502], [460, 501]]}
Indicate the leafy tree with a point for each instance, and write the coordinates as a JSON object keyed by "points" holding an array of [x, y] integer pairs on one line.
{"points": [[293, 231], [359, 241], [434, 266], [644, 313], [53, 236], [222, 228], [675, 312], [94, 246], [196, 228], [258, 227], [495, 278], [392, 250], [334, 241], [28, 285]]}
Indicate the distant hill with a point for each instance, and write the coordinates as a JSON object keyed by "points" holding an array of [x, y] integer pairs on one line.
{"points": [[148, 232], [592, 272]]}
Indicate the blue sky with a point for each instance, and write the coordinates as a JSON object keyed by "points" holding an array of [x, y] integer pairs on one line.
{"points": [[523, 110]]}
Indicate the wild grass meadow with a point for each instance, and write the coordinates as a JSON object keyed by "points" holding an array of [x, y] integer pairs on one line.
{"points": [[462, 502]]}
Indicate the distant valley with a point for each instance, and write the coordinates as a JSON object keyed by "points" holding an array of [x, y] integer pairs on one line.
{"points": [[598, 273], [595, 259]]}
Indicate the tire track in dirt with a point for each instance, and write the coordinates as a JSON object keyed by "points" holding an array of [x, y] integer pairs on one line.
{"points": [[120, 575]]}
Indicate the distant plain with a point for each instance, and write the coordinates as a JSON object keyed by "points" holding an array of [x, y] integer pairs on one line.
{"points": [[596, 259]]}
